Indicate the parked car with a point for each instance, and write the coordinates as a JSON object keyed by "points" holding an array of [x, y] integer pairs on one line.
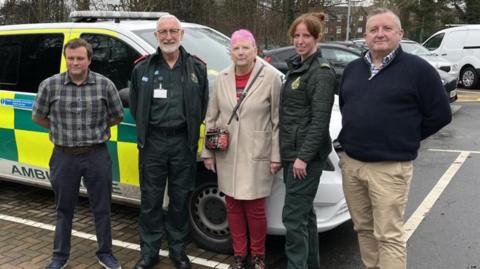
{"points": [[340, 55], [416, 48], [450, 82], [349, 44], [30, 53], [461, 45], [448, 71], [441, 63]]}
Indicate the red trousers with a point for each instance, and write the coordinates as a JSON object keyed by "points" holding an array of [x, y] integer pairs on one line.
{"points": [[247, 216]]}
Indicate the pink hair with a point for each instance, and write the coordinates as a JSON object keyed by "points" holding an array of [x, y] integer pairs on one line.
{"points": [[242, 34]]}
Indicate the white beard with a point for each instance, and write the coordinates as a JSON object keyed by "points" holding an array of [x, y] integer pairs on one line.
{"points": [[168, 48]]}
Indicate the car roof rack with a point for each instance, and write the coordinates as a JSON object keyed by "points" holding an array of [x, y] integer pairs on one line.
{"points": [[93, 16]]}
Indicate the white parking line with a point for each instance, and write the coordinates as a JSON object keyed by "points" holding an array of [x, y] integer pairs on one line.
{"points": [[118, 243], [417, 217], [455, 150]]}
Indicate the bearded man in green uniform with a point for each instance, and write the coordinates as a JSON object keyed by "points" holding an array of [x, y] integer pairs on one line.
{"points": [[168, 100]]}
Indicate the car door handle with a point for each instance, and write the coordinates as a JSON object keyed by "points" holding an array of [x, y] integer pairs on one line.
{"points": [[443, 54]]}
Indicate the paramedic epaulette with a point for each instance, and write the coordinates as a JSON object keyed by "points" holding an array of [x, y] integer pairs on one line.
{"points": [[141, 58]]}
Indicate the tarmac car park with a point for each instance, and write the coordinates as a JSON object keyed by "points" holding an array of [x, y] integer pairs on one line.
{"points": [[32, 52]]}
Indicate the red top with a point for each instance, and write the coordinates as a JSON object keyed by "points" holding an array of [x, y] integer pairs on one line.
{"points": [[241, 83]]}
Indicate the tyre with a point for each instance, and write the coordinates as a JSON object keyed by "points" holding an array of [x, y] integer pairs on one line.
{"points": [[469, 78], [208, 217]]}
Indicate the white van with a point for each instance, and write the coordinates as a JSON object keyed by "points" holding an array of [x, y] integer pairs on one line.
{"points": [[459, 45]]}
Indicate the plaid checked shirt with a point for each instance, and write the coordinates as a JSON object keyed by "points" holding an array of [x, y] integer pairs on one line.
{"points": [[79, 115], [385, 61]]}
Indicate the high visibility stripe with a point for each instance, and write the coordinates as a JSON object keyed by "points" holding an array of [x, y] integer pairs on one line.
{"points": [[7, 118], [128, 163], [33, 147], [33, 31], [114, 133], [112, 150], [23, 113], [200, 141], [8, 148]]}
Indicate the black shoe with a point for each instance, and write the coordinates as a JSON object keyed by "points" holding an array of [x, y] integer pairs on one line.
{"points": [[180, 261], [146, 262], [56, 264], [239, 262], [258, 262]]}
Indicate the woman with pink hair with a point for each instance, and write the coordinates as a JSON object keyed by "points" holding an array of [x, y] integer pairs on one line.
{"points": [[245, 170]]}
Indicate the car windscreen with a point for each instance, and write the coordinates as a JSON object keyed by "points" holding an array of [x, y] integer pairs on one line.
{"points": [[208, 45], [414, 48]]}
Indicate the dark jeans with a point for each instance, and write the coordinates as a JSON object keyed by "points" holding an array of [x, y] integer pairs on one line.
{"points": [[165, 158], [301, 239], [66, 172]]}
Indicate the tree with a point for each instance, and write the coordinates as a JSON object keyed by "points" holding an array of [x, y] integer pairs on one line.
{"points": [[468, 10]]}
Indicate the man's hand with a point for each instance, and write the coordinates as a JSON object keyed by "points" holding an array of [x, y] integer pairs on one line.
{"points": [[299, 169], [115, 121], [209, 164], [44, 122]]}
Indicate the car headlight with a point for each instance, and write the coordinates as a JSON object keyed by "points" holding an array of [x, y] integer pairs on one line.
{"points": [[454, 67], [445, 68]]}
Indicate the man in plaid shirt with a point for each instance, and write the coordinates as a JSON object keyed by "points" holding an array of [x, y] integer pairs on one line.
{"points": [[79, 107]]}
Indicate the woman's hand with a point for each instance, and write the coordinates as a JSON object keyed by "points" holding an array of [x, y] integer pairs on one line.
{"points": [[209, 164], [299, 169], [274, 167]]}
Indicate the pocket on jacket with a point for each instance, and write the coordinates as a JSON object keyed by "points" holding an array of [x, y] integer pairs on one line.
{"points": [[262, 145]]}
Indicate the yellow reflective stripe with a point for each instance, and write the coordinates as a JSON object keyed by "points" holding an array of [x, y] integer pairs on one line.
{"points": [[200, 141], [128, 163], [33, 148], [114, 133], [33, 31], [7, 118]]}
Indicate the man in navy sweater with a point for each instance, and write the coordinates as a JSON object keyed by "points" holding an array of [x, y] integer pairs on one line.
{"points": [[390, 100]]}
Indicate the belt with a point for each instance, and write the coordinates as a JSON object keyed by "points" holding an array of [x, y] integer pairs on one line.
{"points": [[170, 131], [78, 150]]}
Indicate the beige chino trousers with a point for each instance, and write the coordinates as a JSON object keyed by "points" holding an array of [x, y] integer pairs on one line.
{"points": [[376, 194]]}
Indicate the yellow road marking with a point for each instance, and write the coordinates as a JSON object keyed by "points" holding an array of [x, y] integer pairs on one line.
{"points": [[468, 95]]}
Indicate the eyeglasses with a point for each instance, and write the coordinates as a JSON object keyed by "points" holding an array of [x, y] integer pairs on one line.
{"points": [[165, 32]]}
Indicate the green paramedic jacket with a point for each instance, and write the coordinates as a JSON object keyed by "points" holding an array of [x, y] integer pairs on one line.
{"points": [[305, 109], [195, 87]]}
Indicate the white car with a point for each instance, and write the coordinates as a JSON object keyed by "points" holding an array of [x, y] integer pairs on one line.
{"points": [[30, 53], [438, 62]]}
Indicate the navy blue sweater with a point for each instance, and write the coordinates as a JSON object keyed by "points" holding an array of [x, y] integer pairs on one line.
{"points": [[385, 118]]}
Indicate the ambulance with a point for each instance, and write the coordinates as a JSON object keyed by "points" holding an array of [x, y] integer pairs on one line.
{"points": [[30, 53]]}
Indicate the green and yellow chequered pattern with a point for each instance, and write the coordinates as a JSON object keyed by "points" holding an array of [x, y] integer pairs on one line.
{"points": [[25, 142]]}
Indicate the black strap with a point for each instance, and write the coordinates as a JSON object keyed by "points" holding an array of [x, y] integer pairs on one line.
{"points": [[244, 93]]}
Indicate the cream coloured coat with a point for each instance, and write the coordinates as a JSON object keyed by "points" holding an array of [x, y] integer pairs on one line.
{"points": [[244, 168]]}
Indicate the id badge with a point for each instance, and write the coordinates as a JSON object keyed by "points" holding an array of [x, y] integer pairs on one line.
{"points": [[160, 93]]}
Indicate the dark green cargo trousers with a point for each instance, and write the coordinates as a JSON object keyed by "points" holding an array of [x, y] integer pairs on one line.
{"points": [[165, 157], [301, 240]]}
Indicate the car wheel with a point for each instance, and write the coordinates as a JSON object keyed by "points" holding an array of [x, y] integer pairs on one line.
{"points": [[469, 78], [208, 218]]}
